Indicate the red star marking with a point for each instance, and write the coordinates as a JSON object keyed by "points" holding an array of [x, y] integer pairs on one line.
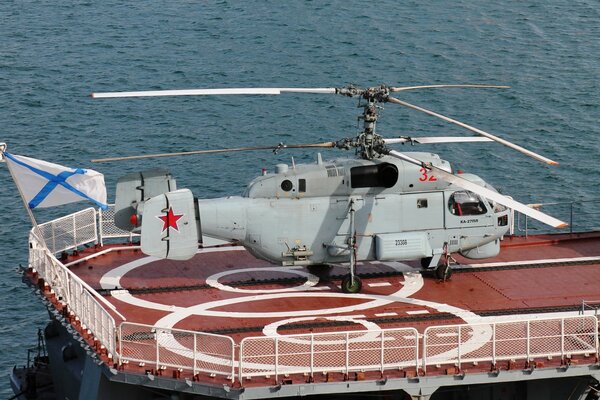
{"points": [[170, 220]]}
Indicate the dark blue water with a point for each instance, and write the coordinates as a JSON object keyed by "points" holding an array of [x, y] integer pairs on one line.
{"points": [[53, 54]]}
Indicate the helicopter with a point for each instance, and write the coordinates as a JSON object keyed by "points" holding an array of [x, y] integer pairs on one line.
{"points": [[380, 205]]}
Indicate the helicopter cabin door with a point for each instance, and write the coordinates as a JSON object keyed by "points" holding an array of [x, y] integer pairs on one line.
{"points": [[422, 211]]}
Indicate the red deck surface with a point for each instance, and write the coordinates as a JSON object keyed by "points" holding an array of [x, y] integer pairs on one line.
{"points": [[227, 291], [258, 294]]}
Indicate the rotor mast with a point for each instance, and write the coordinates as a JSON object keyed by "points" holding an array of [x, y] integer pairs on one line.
{"points": [[368, 143]]}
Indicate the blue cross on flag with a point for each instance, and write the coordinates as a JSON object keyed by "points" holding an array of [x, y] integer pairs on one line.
{"points": [[44, 184]]}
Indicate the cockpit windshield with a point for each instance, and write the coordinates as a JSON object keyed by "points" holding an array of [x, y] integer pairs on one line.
{"points": [[466, 203], [497, 207]]}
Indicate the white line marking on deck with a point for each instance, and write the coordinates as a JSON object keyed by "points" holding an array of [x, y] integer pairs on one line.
{"points": [[386, 314], [532, 262], [379, 284], [417, 312]]}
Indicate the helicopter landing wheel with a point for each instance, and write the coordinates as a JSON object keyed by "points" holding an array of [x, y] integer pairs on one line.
{"points": [[443, 272], [348, 286], [425, 262]]}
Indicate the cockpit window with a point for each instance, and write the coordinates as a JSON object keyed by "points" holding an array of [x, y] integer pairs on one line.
{"points": [[466, 203], [497, 207]]}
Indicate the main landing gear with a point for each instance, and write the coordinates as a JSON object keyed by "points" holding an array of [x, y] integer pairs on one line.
{"points": [[443, 270], [439, 262], [352, 283]]}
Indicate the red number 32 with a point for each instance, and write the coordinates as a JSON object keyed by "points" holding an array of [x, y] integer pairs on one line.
{"points": [[425, 177]]}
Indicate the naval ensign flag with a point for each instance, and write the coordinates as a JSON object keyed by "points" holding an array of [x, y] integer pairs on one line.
{"points": [[45, 184]]}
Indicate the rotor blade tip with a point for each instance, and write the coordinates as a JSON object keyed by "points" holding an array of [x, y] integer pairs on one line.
{"points": [[553, 162], [563, 225]]}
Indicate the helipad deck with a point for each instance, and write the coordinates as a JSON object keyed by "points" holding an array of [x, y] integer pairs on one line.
{"points": [[226, 318]]}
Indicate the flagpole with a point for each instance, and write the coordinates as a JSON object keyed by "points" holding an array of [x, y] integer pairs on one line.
{"points": [[29, 212]]}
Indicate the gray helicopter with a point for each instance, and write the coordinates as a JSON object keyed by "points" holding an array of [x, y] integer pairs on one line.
{"points": [[382, 205]]}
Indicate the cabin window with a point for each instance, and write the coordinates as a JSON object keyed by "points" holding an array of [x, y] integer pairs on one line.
{"points": [[302, 185], [421, 203], [286, 185], [466, 203], [380, 175]]}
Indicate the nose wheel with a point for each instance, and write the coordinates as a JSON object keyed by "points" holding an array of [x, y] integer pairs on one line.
{"points": [[443, 271]]}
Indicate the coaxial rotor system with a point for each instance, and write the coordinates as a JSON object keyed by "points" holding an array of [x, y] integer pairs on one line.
{"points": [[368, 144]]}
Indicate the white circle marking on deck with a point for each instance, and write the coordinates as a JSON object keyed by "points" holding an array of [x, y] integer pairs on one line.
{"points": [[413, 282], [311, 280], [112, 279], [371, 334]]}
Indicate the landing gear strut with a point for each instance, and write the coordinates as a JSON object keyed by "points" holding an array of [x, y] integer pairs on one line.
{"points": [[443, 271], [351, 283]]}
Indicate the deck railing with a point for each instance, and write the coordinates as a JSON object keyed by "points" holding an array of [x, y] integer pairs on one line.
{"points": [[380, 350], [107, 228], [71, 231], [568, 211], [176, 348], [70, 289], [354, 351], [510, 340], [88, 226], [329, 352], [590, 305]]}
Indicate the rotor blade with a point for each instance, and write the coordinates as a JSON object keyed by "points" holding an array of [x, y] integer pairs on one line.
{"points": [[437, 139], [231, 150], [482, 191], [404, 88], [212, 92], [476, 130]]}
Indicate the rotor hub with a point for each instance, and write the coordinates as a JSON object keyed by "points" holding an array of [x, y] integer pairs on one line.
{"points": [[368, 143], [373, 94]]}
